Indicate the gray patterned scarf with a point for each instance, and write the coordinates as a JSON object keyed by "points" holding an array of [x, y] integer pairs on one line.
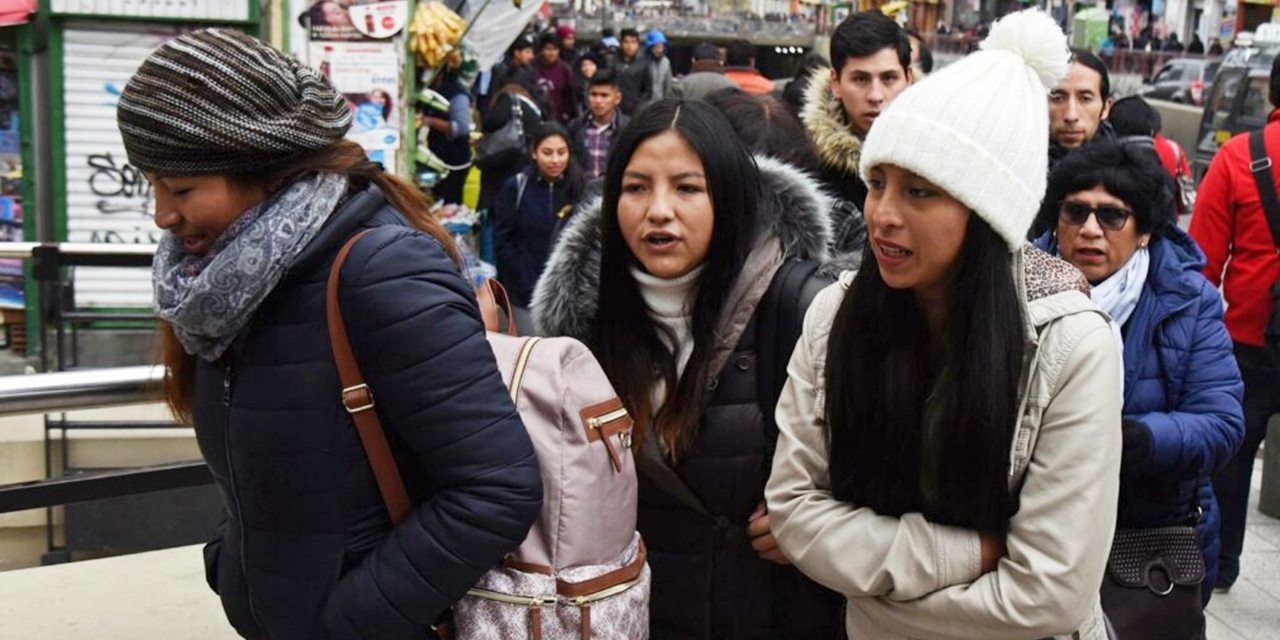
{"points": [[208, 299]]}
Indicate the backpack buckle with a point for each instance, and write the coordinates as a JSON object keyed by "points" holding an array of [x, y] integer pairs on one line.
{"points": [[1261, 164], [356, 395]]}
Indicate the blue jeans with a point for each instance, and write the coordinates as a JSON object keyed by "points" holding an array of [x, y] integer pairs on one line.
{"points": [[1261, 376]]}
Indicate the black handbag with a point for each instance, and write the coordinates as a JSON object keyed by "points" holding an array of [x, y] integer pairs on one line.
{"points": [[1260, 167], [1152, 586], [504, 145]]}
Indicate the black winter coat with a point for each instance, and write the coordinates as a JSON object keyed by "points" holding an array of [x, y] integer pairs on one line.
{"points": [[307, 551], [708, 583]]}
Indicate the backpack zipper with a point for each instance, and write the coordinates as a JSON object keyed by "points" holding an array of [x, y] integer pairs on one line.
{"points": [[524, 601], [597, 423]]}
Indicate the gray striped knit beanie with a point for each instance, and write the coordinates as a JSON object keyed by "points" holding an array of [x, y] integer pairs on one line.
{"points": [[217, 101]]}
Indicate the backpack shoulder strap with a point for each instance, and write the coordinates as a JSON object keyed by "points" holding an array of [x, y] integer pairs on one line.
{"points": [[357, 398], [522, 181], [781, 321], [1260, 167]]}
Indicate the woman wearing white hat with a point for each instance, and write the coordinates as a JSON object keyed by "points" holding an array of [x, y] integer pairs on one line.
{"points": [[949, 445]]}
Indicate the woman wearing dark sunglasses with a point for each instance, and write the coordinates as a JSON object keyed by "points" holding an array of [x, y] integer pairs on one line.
{"points": [[1182, 389]]}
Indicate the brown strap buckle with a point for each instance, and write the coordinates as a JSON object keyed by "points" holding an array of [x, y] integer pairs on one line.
{"points": [[360, 393]]}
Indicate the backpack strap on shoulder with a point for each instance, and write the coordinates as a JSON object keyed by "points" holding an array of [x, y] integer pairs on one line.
{"points": [[781, 321]]}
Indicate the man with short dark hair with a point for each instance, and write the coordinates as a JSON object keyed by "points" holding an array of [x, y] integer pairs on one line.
{"points": [[1230, 225], [513, 69], [706, 74], [594, 132], [1079, 105], [870, 66], [633, 72], [556, 80], [740, 68]]}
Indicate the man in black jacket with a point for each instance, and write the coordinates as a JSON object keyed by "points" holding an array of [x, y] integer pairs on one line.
{"points": [[633, 73]]}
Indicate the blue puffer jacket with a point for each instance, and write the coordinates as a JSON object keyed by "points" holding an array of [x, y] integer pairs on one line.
{"points": [[307, 551], [1180, 381]]}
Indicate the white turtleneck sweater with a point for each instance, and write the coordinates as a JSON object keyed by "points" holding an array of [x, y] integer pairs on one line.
{"points": [[670, 303]]}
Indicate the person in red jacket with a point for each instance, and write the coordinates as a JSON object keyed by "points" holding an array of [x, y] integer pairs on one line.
{"points": [[1231, 227]]}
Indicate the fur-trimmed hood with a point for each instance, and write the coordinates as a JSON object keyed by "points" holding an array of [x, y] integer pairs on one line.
{"points": [[793, 208], [827, 124]]}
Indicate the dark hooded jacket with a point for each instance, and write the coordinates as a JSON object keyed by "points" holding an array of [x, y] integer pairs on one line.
{"points": [[307, 551], [1181, 383], [840, 150], [707, 580]]}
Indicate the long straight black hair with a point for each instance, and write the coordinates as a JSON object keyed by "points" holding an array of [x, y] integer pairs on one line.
{"points": [[920, 429], [574, 181], [623, 337]]}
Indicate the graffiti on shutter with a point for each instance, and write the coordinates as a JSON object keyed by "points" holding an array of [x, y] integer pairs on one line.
{"points": [[108, 200]]}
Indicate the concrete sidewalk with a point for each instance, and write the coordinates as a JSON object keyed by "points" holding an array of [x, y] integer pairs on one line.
{"points": [[1251, 611]]}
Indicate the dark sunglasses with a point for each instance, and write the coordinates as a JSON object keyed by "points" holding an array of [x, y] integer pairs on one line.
{"points": [[1077, 213]]}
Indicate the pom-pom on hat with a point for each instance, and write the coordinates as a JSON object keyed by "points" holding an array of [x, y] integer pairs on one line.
{"points": [[217, 101], [979, 129]]}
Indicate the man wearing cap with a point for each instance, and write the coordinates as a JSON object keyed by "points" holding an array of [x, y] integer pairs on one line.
{"points": [[659, 64], [706, 74], [568, 45]]}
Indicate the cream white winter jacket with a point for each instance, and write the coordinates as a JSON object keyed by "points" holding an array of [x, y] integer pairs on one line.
{"points": [[907, 578]]}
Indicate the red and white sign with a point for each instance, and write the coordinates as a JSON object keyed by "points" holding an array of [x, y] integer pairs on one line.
{"points": [[380, 20]]}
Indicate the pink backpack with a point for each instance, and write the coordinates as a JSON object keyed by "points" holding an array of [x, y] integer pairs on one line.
{"points": [[581, 572]]}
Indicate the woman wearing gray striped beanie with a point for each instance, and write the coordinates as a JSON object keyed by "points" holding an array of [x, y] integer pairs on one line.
{"points": [[256, 191]]}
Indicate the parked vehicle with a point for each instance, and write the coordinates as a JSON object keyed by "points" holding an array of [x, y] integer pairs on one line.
{"points": [[1182, 80], [1238, 100]]}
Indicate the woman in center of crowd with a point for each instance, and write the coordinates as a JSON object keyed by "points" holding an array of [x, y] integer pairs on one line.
{"points": [[949, 437], [667, 279], [530, 206]]}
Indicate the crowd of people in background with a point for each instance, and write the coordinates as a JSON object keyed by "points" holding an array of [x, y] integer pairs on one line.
{"points": [[910, 352]]}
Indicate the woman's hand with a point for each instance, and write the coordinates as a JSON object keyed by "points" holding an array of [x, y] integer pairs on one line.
{"points": [[992, 550], [762, 539], [437, 124]]}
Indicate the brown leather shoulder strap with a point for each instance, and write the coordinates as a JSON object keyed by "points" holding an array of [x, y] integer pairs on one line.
{"points": [[492, 297], [358, 399]]}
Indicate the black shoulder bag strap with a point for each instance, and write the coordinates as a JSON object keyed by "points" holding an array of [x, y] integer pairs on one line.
{"points": [[781, 321], [1260, 167]]}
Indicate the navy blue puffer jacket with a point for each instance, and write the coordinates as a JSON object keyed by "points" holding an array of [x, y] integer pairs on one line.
{"points": [[1181, 382], [307, 551]]}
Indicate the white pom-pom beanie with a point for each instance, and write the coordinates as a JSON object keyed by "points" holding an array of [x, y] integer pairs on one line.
{"points": [[979, 129]]}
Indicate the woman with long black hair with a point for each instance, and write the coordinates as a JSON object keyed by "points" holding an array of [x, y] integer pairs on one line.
{"points": [[529, 208], [949, 438], [673, 280]]}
